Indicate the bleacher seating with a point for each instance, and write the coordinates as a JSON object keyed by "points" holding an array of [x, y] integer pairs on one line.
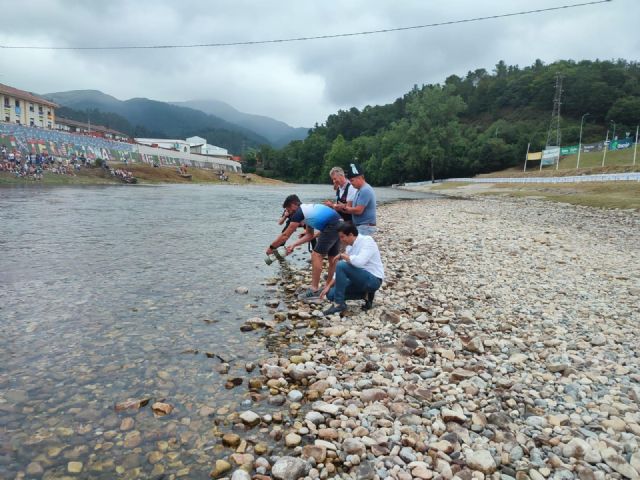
{"points": [[29, 140]]}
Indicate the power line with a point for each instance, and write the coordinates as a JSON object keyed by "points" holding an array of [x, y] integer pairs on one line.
{"points": [[319, 37]]}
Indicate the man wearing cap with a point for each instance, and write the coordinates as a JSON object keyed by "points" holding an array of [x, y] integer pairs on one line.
{"points": [[316, 217], [363, 210]]}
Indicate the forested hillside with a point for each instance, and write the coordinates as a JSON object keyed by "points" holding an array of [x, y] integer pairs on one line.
{"points": [[479, 123]]}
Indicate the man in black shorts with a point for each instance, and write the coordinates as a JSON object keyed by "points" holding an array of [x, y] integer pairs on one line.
{"points": [[316, 217]]}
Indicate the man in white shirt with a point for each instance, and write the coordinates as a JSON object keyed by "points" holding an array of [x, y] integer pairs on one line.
{"points": [[359, 272]]}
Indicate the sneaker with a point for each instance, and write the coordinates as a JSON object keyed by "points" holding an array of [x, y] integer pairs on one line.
{"points": [[368, 300], [309, 293], [337, 308]]}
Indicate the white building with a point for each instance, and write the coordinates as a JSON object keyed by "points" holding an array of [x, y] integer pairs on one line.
{"points": [[168, 143], [200, 145]]}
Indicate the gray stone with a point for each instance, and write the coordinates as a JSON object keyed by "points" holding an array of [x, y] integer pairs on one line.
{"points": [[289, 468]]}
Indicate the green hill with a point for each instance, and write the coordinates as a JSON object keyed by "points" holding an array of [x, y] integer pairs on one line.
{"points": [[478, 123], [160, 119]]}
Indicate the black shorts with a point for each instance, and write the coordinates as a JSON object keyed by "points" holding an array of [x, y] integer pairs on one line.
{"points": [[328, 241]]}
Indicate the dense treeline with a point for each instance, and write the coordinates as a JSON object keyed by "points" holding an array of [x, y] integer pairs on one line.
{"points": [[479, 123]]}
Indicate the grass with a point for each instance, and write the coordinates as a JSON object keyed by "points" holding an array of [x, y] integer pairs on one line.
{"points": [[618, 161], [146, 174], [624, 195], [448, 185]]}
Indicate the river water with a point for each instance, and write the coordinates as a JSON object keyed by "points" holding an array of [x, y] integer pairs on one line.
{"points": [[111, 293]]}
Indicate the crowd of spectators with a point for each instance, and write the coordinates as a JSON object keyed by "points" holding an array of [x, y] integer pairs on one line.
{"points": [[33, 166]]}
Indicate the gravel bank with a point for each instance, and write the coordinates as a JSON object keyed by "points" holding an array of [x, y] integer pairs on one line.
{"points": [[503, 345]]}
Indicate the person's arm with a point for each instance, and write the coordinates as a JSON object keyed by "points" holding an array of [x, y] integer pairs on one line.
{"points": [[283, 237], [357, 210], [307, 237], [359, 260], [327, 287]]}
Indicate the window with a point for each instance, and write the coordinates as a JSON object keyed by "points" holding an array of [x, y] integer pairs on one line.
{"points": [[6, 102], [32, 122], [31, 107], [7, 119], [40, 109], [18, 103]]}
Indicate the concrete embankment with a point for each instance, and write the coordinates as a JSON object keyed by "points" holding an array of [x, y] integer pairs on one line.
{"points": [[503, 344]]}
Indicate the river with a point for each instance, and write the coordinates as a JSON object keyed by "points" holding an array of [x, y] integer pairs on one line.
{"points": [[118, 292]]}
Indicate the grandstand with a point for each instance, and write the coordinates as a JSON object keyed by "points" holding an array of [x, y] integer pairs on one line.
{"points": [[23, 140]]}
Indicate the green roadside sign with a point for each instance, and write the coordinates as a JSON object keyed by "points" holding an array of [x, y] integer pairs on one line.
{"points": [[572, 150]]}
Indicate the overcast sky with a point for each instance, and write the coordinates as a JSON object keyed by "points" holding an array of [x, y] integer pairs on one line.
{"points": [[300, 83]]}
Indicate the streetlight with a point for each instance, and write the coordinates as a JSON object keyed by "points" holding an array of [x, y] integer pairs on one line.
{"points": [[580, 141], [613, 135], [606, 147]]}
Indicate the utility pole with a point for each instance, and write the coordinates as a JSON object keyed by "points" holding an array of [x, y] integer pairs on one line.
{"points": [[553, 134], [635, 146], [580, 141], [606, 147]]}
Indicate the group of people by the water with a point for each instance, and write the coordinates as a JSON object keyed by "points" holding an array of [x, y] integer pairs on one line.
{"points": [[122, 174], [343, 232], [32, 166]]}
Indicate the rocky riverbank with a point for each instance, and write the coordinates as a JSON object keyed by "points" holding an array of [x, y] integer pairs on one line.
{"points": [[503, 344]]}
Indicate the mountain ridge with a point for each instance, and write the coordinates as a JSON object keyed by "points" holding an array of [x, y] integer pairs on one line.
{"points": [[164, 119]]}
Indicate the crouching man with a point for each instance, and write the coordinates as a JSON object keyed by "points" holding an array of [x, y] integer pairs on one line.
{"points": [[359, 272]]}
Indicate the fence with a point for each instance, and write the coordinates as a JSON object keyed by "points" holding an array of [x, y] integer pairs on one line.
{"points": [[605, 177]]}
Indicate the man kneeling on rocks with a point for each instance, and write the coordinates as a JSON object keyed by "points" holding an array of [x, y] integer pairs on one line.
{"points": [[359, 272]]}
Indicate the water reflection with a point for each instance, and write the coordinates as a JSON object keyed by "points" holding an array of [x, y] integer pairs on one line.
{"points": [[112, 293]]}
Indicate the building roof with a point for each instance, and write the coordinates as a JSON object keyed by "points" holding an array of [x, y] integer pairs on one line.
{"points": [[98, 128], [22, 95]]}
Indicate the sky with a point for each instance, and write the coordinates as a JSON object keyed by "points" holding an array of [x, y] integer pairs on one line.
{"points": [[300, 83]]}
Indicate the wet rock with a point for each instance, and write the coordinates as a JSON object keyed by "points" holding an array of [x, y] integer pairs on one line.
{"points": [[132, 439], [161, 409], [231, 440], [132, 404], [242, 290], [250, 418], [35, 469], [292, 440], [127, 424], [289, 468], [317, 452], [295, 395], [240, 475], [74, 467], [221, 467]]}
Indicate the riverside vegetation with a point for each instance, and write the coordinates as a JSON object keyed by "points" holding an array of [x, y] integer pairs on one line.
{"points": [[478, 123]]}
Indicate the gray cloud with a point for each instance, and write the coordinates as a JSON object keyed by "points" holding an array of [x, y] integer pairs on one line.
{"points": [[302, 82]]}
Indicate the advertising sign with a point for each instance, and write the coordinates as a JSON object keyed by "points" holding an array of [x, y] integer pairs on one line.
{"points": [[550, 156], [572, 150], [620, 144], [593, 147]]}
